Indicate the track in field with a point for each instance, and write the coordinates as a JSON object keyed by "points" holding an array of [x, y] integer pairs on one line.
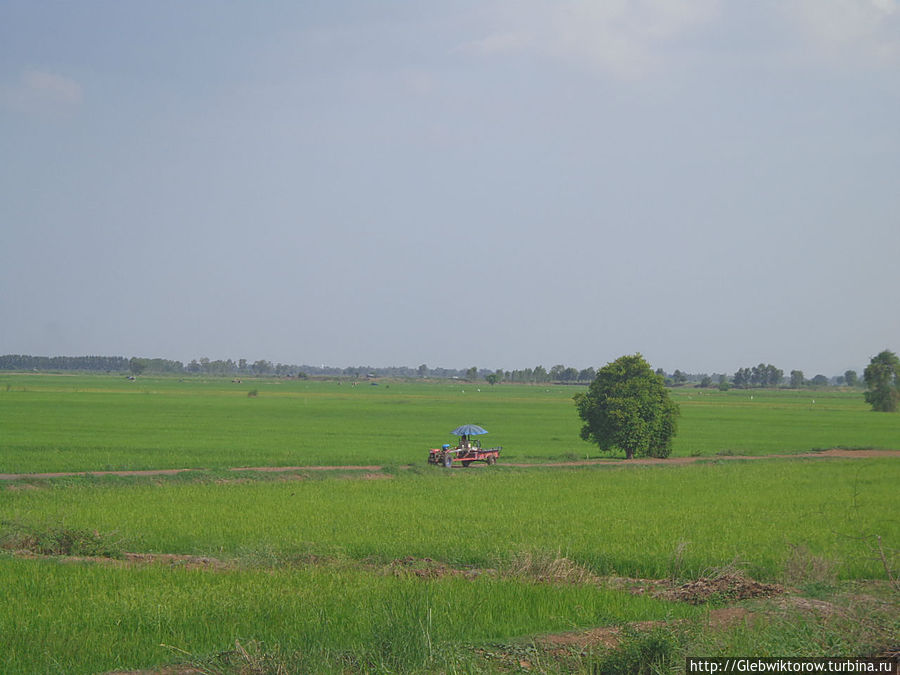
{"points": [[837, 452]]}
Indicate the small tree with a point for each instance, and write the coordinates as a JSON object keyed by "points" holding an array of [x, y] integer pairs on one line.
{"points": [[882, 377], [851, 379], [628, 407], [137, 366]]}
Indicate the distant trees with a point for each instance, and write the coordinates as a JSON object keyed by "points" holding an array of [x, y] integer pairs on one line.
{"points": [[763, 375], [117, 364], [627, 406], [819, 381], [103, 364], [882, 377], [540, 375]]}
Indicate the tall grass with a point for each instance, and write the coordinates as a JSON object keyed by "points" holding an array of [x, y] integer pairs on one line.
{"points": [[94, 618]]}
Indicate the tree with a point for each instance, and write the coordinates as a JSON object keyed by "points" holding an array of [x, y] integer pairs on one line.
{"points": [[628, 407], [882, 377], [766, 375], [851, 379], [137, 366], [741, 378], [819, 381], [472, 373], [492, 378], [797, 379]]}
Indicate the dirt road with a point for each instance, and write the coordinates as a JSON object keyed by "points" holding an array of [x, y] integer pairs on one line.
{"points": [[851, 454]]}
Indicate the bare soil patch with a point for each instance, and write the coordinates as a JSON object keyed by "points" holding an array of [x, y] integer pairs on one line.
{"points": [[610, 636], [275, 469], [426, 568], [730, 587], [177, 560]]}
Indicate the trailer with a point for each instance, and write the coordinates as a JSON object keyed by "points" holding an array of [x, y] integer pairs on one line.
{"points": [[466, 451]]}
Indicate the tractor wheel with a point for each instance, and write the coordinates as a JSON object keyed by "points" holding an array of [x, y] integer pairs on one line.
{"points": [[448, 461], [491, 460], [466, 464]]}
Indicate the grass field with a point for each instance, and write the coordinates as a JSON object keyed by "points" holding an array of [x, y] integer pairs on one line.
{"points": [[90, 618], [415, 568], [713, 514], [84, 423]]}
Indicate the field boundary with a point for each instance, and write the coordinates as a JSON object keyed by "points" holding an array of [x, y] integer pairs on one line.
{"points": [[824, 454]]}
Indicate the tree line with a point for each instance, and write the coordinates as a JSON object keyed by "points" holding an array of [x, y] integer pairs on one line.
{"points": [[764, 375], [759, 376], [264, 368], [109, 364]]}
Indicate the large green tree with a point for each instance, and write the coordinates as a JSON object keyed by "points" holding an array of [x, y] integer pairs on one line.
{"points": [[882, 377], [627, 407]]}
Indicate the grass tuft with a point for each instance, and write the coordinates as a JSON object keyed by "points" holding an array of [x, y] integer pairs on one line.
{"points": [[58, 541], [641, 653]]}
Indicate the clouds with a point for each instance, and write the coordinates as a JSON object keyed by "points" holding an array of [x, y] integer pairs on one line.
{"points": [[868, 30], [42, 91], [621, 38], [631, 40], [624, 39]]}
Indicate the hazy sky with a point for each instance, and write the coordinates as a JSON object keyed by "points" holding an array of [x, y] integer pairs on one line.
{"points": [[492, 183]]}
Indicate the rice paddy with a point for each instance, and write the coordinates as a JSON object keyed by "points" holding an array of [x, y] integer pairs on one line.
{"points": [[410, 568]]}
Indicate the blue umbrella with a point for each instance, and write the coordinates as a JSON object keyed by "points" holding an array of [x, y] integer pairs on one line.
{"points": [[468, 430]]}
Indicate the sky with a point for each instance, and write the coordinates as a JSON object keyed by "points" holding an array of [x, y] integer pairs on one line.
{"points": [[497, 183]]}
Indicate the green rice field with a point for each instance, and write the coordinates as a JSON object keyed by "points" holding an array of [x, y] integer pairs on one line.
{"points": [[405, 567], [89, 423]]}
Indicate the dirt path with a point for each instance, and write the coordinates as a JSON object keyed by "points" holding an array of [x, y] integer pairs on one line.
{"points": [[836, 452], [851, 454]]}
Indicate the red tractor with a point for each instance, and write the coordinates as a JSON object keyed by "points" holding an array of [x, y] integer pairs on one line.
{"points": [[466, 451]]}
